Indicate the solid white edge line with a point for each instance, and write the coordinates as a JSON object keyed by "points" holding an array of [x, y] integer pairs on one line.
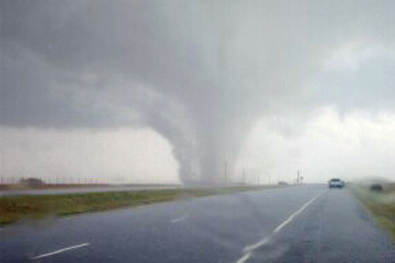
{"points": [[248, 249], [60, 251]]}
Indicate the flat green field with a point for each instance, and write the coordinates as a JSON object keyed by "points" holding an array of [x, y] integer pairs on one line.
{"points": [[15, 208]]}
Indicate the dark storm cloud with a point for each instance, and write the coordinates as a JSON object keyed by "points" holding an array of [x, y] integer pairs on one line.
{"points": [[199, 73]]}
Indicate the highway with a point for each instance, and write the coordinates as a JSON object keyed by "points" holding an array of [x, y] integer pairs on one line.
{"points": [[292, 224]]}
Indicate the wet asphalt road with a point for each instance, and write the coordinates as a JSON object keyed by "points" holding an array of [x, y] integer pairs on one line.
{"points": [[295, 224]]}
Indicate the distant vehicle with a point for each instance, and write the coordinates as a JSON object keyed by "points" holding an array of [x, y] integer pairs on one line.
{"points": [[335, 183], [282, 183], [376, 188]]}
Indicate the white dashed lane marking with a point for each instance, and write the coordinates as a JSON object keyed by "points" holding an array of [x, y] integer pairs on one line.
{"points": [[60, 251], [180, 219]]}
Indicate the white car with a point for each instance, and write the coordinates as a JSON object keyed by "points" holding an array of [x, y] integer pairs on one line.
{"points": [[335, 183]]}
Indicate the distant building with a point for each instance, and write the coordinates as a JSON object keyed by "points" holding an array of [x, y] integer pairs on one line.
{"points": [[31, 182]]}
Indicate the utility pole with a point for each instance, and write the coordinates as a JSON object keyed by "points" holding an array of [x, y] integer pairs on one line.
{"points": [[244, 177], [297, 177], [226, 175], [259, 179]]}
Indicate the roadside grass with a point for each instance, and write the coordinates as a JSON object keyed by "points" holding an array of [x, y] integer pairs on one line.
{"points": [[48, 186], [380, 204], [16, 208]]}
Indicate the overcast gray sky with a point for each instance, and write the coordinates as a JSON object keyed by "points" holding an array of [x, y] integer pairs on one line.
{"points": [[170, 91]]}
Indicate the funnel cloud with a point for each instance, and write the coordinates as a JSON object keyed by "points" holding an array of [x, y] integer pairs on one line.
{"points": [[201, 74]]}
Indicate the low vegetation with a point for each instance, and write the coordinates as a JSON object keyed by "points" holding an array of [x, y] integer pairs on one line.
{"points": [[48, 186], [15, 208], [381, 204]]}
